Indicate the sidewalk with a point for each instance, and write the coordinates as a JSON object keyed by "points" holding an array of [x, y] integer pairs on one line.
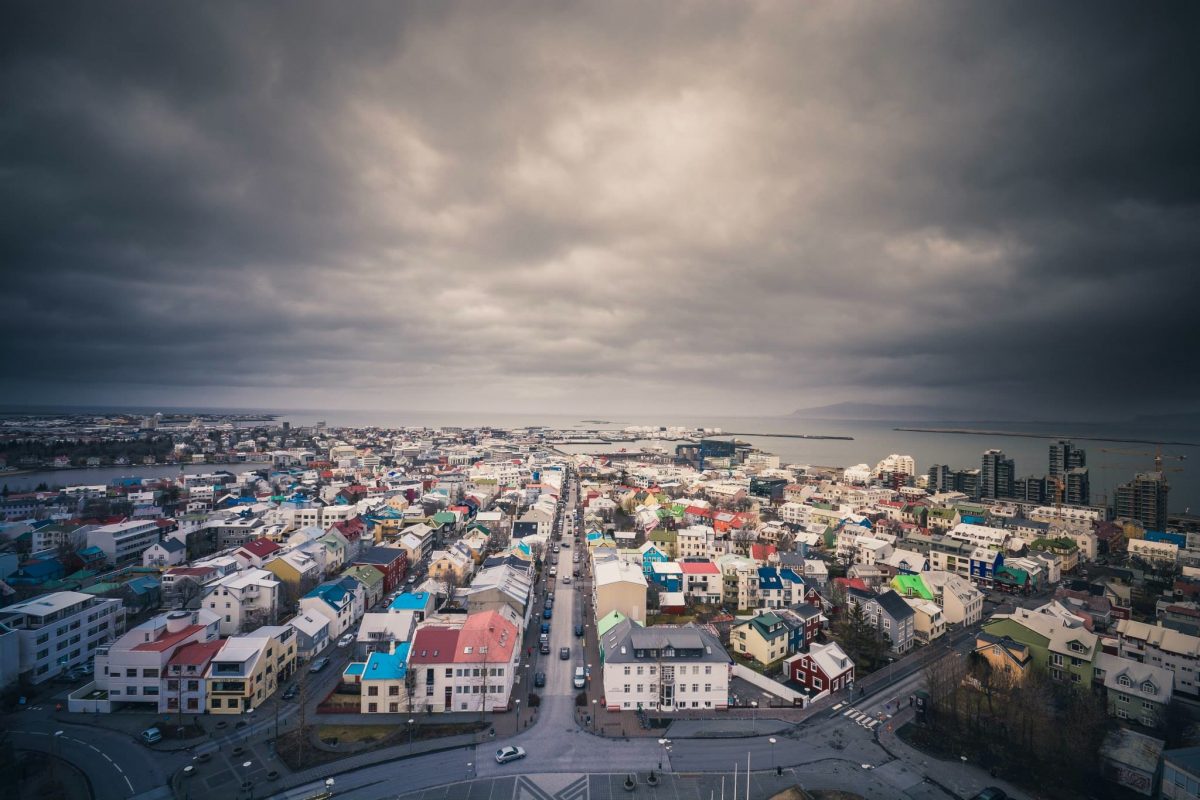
{"points": [[956, 778]]}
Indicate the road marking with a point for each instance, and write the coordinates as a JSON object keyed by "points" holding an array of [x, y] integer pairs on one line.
{"points": [[848, 712], [108, 758], [129, 783], [97, 749]]}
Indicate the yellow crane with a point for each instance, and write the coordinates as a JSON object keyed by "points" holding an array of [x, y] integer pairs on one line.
{"points": [[1157, 455]]}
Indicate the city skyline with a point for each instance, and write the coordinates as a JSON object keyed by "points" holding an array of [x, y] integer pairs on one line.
{"points": [[687, 209]]}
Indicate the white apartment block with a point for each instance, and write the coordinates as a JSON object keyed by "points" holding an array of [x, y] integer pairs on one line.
{"points": [[1159, 552], [124, 542], [664, 668], [794, 513], [995, 539], [695, 541], [133, 669], [1163, 647], [244, 600], [61, 630]]}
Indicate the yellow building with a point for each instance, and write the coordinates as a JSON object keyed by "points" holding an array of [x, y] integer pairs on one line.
{"points": [[1004, 655], [248, 669]]}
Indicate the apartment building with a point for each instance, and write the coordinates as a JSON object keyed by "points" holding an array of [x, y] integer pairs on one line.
{"points": [[124, 542], [133, 669], [961, 602], [60, 630], [619, 586], [702, 581], [467, 668], [249, 668], [244, 600], [1162, 647], [664, 668], [385, 688], [825, 667], [695, 541], [341, 601]]}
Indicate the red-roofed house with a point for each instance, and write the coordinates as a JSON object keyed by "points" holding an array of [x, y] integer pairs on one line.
{"points": [[471, 668], [185, 676], [701, 580], [762, 552], [256, 552]]}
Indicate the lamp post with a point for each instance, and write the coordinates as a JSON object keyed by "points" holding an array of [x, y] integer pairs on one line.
{"points": [[54, 752], [772, 741], [518, 702], [666, 746], [754, 715], [411, 723], [594, 716], [963, 774]]}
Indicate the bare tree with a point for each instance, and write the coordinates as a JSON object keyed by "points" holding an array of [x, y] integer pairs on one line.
{"points": [[742, 539]]}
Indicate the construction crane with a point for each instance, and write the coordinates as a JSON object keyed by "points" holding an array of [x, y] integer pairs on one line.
{"points": [[1157, 455]]}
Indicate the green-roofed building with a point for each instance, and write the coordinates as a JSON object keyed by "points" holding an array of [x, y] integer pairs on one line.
{"points": [[444, 519], [98, 589], [911, 586], [606, 623]]}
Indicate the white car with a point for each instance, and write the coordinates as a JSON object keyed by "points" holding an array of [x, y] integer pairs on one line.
{"points": [[510, 753], [346, 640]]}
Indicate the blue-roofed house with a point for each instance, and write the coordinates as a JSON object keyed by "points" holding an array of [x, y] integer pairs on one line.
{"points": [[385, 688], [779, 587], [420, 603], [37, 572], [341, 601]]}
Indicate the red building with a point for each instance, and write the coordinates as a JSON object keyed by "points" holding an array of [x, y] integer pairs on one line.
{"points": [[824, 666], [391, 561]]}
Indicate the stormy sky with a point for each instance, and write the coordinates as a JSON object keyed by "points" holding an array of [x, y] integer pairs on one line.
{"points": [[625, 207]]}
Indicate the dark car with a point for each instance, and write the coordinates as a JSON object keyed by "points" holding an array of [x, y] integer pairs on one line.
{"points": [[991, 793], [545, 627], [291, 692], [539, 680], [564, 653], [547, 613], [579, 630]]}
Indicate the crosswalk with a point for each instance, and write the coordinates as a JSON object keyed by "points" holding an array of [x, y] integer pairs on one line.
{"points": [[860, 718]]}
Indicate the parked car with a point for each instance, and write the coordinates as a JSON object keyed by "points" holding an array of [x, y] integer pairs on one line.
{"points": [[564, 653], [575, 572], [545, 648], [510, 753], [547, 613], [346, 640], [545, 627], [580, 680], [991, 793], [578, 630], [151, 735], [539, 680], [291, 692], [319, 664]]}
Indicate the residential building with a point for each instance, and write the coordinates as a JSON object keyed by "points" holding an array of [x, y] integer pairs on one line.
{"points": [[249, 668], [391, 561], [467, 668], [1181, 774], [124, 542], [779, 587], [1144, 499], [1006, 656], [60, 630], [996, 475], [312, 633], [928, 621], [890, 614], [618, 586], [341, 601], [702, 582], [243, 600], [1162, 647], [825, 667], [764, 638], [185, 683], [960, 600], [1135, 691], [1057, 639], [166, 553], [664, 668], [133, 669], [385, 685]]}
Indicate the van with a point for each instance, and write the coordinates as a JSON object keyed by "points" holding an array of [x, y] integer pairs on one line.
{"points": [[580, 681], [151, 735]]}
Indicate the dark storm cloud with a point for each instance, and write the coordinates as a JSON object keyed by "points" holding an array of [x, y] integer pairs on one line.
{"points": [[675, 206]]}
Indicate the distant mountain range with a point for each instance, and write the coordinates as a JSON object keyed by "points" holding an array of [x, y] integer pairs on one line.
{"points": [[900, 413]]}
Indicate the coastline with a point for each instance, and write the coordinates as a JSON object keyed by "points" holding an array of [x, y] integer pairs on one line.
{"points": [[1029, 435]]}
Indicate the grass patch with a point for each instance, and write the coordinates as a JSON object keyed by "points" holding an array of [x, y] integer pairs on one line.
{"points": [[364, 734]]}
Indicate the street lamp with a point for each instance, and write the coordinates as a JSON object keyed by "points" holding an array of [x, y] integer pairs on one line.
{"points": [[518, 702], [594, 716], [411, 722], [772, 741], [666, 746], [963, 774], [754, 715]]}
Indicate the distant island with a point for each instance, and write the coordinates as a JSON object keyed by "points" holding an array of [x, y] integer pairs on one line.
{"points": [[896, 413]]}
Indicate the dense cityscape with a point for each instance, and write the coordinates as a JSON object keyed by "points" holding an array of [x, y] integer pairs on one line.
{"points": [[319, 602]]}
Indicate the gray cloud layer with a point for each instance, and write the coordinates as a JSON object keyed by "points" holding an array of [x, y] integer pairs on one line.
{"points": [[638, 207]]}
